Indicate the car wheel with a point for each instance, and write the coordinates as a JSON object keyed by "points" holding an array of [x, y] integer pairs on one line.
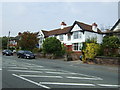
{"points": [[25, 57], [18, 56]]}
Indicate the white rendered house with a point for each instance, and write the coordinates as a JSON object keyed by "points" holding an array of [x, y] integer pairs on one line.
{"points": [[73, 36]]}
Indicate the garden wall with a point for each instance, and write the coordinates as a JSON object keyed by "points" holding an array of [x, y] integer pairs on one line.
{"points": [[107, 60]]}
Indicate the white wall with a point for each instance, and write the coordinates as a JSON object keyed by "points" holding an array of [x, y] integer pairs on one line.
{"points": [[94, 35], [40, 35], [76, 28]]}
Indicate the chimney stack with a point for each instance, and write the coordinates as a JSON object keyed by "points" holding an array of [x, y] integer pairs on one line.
{"points": [[94, 27], [63, 24]]}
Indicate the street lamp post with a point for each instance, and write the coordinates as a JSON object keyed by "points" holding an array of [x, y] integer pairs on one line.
{"points": [[8, 40]]}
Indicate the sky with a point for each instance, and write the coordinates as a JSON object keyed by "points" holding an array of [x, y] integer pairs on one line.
{"points": [[35, 16]]}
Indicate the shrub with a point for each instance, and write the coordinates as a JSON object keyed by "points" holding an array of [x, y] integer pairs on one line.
{"points": [[52, 46], [110, 45], [90, 51]]}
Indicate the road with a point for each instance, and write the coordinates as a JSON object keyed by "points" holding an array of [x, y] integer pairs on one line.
{"points": [[46, 73], [0, 70]]}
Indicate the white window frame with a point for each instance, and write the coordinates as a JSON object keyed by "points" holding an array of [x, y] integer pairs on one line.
{"points": [[69, 37], [61, 38], [41, 40], [77, 35], [78, 46]]}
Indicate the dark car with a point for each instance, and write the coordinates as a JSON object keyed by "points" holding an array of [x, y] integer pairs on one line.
{"points": [[25, 54], [7, 52]]}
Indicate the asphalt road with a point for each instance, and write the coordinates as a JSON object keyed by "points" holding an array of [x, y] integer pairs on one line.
{"points": [[46, 73], [0, 70]]}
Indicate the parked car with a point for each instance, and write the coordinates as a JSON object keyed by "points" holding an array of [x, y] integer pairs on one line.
{"points": [[25, 54], [7, 52]]}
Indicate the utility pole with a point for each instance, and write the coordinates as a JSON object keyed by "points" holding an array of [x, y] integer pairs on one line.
{"points": [[8, 40]]}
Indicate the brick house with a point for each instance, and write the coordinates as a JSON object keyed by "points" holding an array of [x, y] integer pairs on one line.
{"points": [[73, 36]]}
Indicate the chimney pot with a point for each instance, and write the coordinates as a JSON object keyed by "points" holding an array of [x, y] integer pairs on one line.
{"points": [[63, 24], [94, 27]]}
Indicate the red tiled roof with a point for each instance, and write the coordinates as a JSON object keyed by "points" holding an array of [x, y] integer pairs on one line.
{"points": [[86, 26], [65, 30], [57, 31]]}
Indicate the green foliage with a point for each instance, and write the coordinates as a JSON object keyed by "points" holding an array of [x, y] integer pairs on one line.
{"points": [[90, 51], [110, 45], [28, 41], [53, 46], [111, 42], [0, 43], [91, 40], [4, 42]]}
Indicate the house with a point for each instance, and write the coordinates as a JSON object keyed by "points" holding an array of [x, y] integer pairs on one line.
{"points": [[115, 30], [73, 36]]}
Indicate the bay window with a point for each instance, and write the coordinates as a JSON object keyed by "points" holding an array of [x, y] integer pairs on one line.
{"points": [[77, 46]]}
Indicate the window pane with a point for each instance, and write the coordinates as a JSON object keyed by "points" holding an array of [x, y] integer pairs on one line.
{"points": [[61, 37], [75, 35]]}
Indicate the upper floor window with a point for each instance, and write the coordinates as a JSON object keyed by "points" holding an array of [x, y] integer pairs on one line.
{"points": [[41, 39], [61, 37], [77, 35], [69, 36]]}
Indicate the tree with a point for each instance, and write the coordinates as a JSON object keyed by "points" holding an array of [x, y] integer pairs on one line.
{"points": [[110, 45], [52, 46], [4, 42], [0, 43], [28, 41], [111, 42]]}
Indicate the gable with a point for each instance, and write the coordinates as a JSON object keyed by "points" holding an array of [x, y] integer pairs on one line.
{"points": [[41, 34], [117, 27], [76, 28]]}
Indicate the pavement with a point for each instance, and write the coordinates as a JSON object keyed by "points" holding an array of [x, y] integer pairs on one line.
{"points": [[48, 74]]}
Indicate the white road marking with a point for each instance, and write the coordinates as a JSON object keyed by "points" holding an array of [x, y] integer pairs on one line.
{"points": [[25, 71], [11, 65], [59, 83], [0, 68], [45, 69], [87, 75], [41, 76], [59, 73], [85, 78], [38, 84], [108, 85], [18, 67], [33, 66]]}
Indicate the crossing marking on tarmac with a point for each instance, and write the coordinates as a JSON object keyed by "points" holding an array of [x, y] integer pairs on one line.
{"points": [[17, 68], [108, 85], [25, 71], [84, 78], [38, 84], [41, 76], [60, 73], [60, 83]]}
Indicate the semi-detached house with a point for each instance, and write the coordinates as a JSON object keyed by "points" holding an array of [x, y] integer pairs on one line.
{"points": [[73, 36]]}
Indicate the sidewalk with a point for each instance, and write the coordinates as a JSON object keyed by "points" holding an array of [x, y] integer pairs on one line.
{"points": [[79, 63]]}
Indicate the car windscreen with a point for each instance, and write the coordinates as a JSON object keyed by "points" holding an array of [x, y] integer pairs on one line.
{"points": [[8, 51], [27, 52]]}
